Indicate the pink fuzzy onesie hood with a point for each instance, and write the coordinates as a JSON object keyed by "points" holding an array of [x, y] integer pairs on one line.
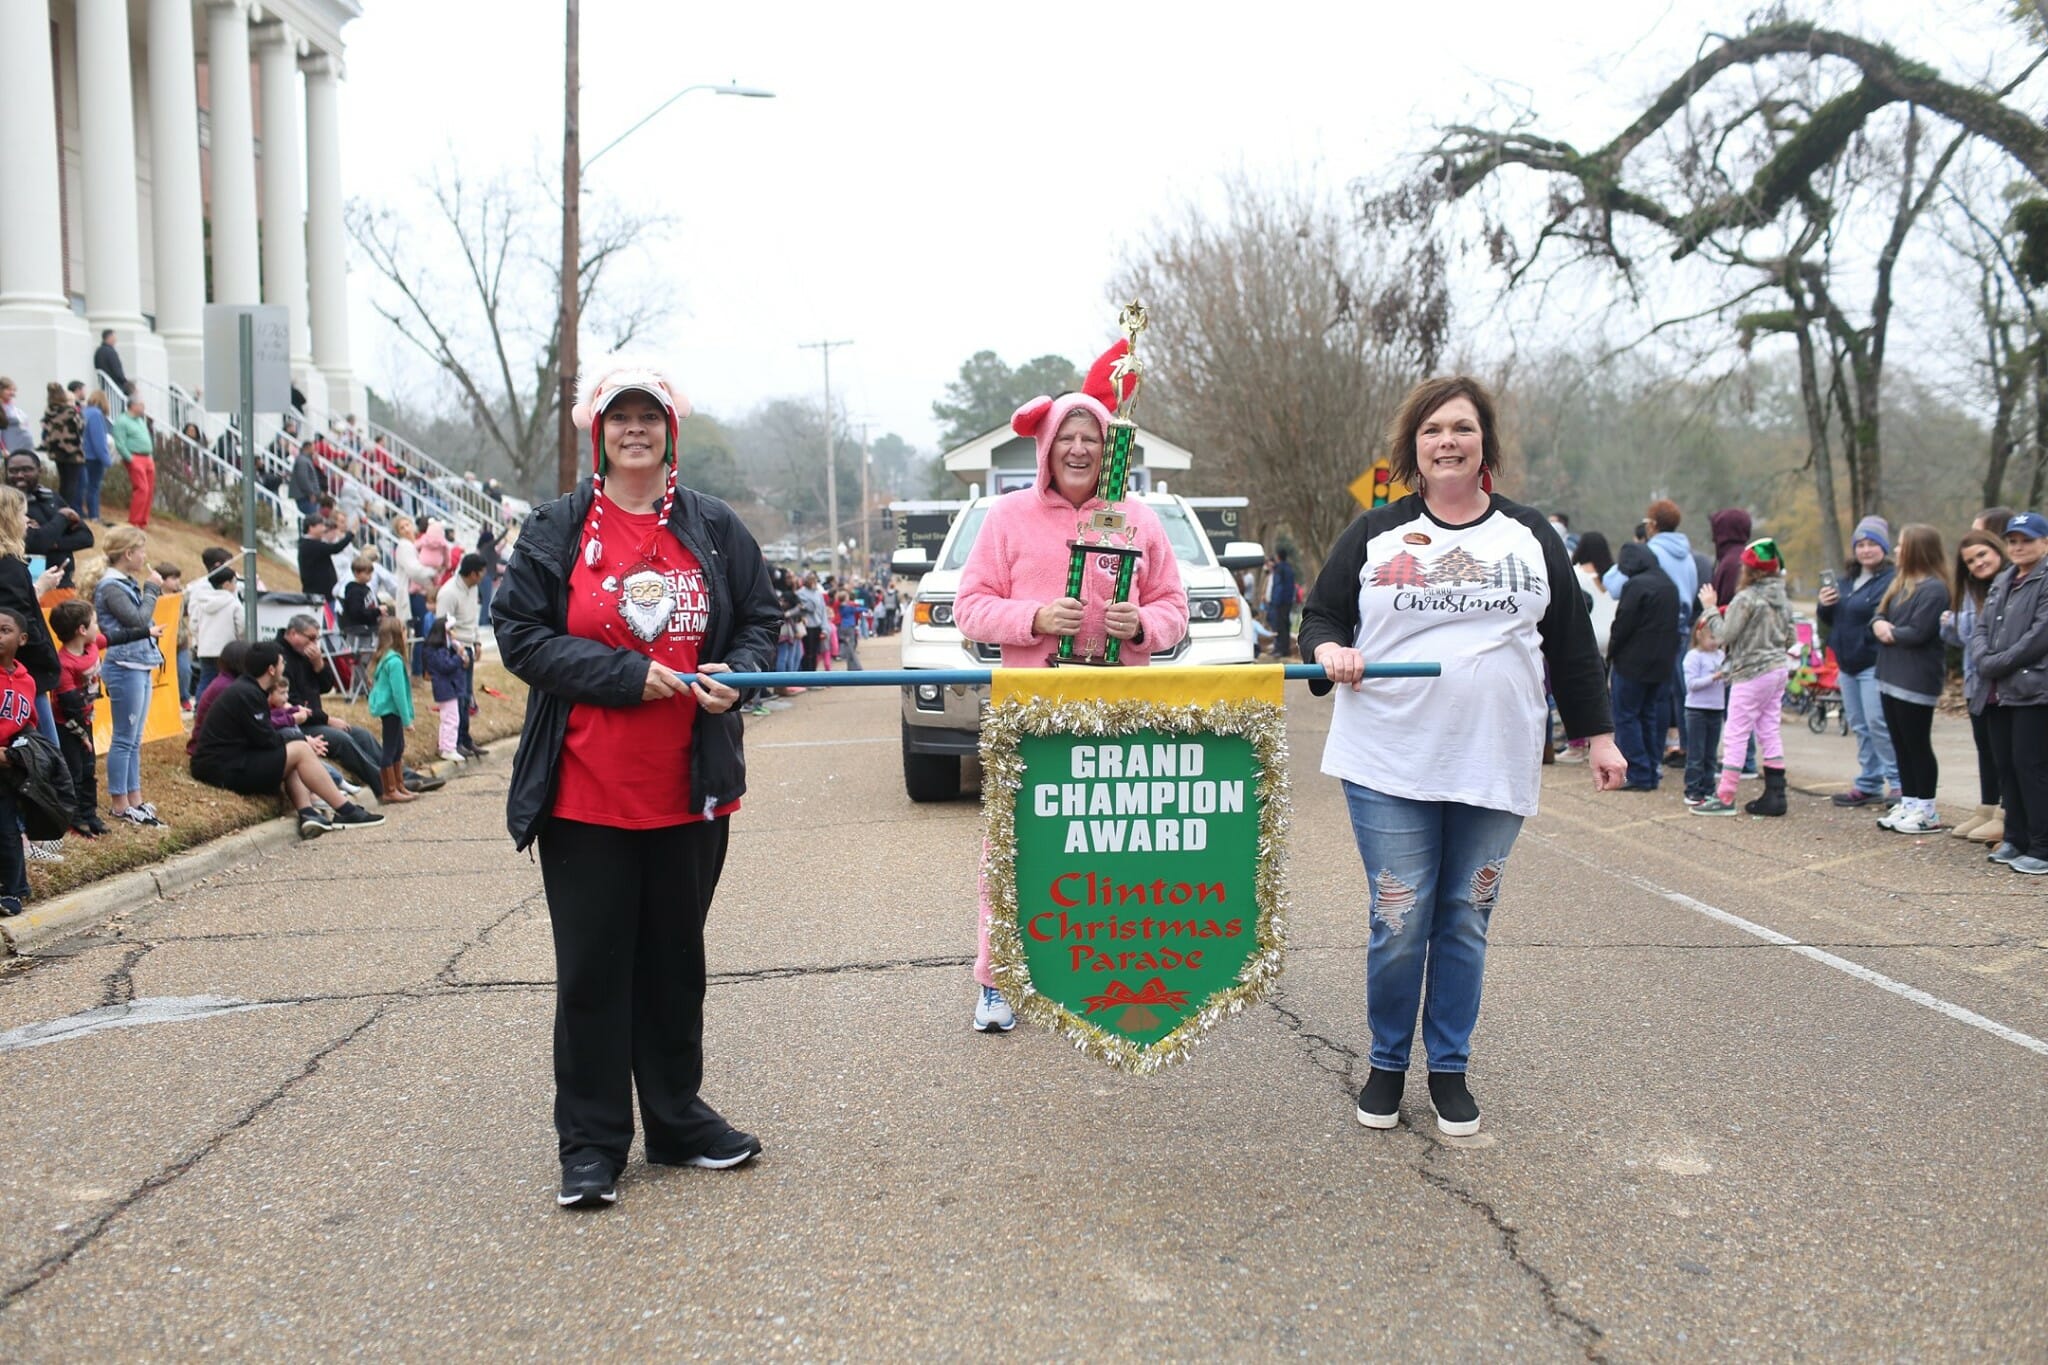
{"points": [[1019, 561]]}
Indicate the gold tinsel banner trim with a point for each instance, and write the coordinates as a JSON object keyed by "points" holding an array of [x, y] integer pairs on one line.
{"points": [[1008, 722]]}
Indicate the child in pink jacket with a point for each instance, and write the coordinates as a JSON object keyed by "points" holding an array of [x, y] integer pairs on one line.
{"points": [[1013, 589]]}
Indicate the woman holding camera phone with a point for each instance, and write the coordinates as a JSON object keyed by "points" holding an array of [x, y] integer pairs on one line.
{"points": [[1847, 614]]}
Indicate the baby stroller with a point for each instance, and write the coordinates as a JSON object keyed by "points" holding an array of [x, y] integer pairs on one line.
{"points": [[1814, 688]]}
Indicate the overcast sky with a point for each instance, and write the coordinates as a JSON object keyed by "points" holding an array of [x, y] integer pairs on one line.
{"points": [[933, 180]]}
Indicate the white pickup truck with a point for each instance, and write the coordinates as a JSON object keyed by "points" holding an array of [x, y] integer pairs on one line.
{"points": [[942, 722]]}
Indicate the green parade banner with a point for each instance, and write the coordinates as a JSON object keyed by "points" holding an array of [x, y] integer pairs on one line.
{"points": [[1135, 820]]}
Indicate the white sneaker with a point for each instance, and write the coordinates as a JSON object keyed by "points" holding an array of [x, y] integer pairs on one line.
{"points": [[450, 756], [993, 1013], [1911, 818]]}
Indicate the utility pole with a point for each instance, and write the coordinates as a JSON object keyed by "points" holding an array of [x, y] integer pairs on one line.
{"points": [[824, 349], [567, 462], [867, 558]]}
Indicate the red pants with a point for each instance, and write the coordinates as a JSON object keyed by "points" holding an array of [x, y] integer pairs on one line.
{"points": [[141, 479]]}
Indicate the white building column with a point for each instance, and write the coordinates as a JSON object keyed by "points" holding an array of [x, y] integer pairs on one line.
{"points": [[284, 211], [233, 153], [113, 226], [178, 212], [40, 339], [326, 239]]}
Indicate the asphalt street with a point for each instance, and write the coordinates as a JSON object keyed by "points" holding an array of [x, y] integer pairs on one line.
{"points": [[1752, 1089]]}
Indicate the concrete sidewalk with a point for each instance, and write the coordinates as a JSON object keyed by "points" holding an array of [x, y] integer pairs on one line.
{"points": [[1826, 763]]}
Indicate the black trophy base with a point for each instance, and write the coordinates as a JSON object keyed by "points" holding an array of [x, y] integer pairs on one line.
{"points": [[1081, 661]]}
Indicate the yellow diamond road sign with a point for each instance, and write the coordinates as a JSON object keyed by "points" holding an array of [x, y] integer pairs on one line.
{"points": [[1361, 489]]}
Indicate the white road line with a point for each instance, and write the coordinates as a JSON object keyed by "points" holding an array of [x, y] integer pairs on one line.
{"points": [[823, 743], [1820, 955]]}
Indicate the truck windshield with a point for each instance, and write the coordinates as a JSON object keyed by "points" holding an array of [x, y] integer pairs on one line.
{"points": [[1190, 546], [963, 538]]}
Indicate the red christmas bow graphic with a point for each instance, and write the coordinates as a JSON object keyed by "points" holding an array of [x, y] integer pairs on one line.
{"points": [[1155, 993]]}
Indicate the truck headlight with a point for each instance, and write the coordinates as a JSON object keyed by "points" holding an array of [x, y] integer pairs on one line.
{"points": [[929, 697]]}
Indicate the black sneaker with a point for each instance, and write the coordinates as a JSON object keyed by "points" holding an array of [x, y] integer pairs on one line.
{"points": [[1457, 1113], [1379, 1104], [731, 1148], [423, 782], [312, 824], [354, 816], [10, 906], [472, 751], [1855, 796], [588, 1185]]}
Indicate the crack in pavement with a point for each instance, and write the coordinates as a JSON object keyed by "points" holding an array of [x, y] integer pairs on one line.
{"points": [[118, 986], [1340, 1061], [97, 1226]]}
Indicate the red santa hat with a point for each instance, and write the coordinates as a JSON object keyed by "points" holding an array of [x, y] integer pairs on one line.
{"points": [[1099, 397]]}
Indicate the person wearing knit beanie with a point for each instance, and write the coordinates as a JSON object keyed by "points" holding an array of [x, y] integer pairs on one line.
{"points": [[625, 599], [1846, 612]]}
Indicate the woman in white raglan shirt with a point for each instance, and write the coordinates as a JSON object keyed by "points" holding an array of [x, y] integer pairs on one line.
{"points": [[1440, 772]]}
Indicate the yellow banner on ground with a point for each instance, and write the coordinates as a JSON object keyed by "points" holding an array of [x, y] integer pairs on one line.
{"points": [[1166, 686], [165, 716]]}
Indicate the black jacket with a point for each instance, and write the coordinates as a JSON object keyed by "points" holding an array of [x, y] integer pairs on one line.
{"points": [[107, 361], [41, 785], [237, 723], [317, 572], [359, 614], [38, 652], [1643, 643], [54, 536], [1569, 653], [531, 617], [306, 683]]}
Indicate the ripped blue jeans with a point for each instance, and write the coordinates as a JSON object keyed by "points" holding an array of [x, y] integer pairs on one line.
{"points": [[1434, 870]]}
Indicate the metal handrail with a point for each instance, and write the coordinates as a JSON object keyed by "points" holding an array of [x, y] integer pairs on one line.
{"points": [[213, 475]]}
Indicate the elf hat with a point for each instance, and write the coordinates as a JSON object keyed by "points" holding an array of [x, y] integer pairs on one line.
{"points": [[1040, 418], [1763, 555], [608, 378]]}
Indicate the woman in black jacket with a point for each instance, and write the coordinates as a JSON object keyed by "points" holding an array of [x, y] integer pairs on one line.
{"points": [[625, 772], [1639, 648], [2010, 644]]}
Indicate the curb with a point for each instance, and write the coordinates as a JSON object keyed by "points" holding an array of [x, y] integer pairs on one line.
{"points": [[53, 921], [42, 926]]}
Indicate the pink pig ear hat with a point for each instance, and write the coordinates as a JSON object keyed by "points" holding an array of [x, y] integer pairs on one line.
{"points": [[601, 382], [1041, 417]]}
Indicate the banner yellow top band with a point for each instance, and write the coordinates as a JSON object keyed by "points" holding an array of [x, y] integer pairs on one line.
{"points": [[1168, 686]]}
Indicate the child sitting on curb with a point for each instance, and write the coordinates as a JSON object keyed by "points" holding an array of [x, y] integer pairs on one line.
{"points": [[1756, 633]]}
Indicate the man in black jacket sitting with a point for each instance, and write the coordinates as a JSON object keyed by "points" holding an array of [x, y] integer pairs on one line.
{"points": [[55, 531], [239, 750], [310, 675], [1640, 647]]}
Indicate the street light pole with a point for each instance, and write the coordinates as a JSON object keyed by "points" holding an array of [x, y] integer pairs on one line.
{"points": [[566, 461], [568, 458], [867, 557], [824, 348]]}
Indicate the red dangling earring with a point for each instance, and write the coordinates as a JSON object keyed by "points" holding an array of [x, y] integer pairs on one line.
{"points": [[1485, 479]]}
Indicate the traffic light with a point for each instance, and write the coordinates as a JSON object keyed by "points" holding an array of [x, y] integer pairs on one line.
{"points": [[1382, 483], [888, 519]]}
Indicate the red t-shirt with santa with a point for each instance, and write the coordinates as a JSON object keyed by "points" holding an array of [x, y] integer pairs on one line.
{"points": [[629, 766]]}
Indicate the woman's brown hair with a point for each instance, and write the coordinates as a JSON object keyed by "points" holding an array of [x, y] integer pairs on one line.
{"points": [[1423, 400], [1919, 560], [1968, 584], [98, 399]]}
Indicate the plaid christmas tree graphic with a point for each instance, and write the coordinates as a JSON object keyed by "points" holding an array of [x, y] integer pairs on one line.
{"points": [[1402, 571], [1511, 575]]}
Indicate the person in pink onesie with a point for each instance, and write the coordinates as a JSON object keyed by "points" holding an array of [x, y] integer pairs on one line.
{"points": [[1013, 590]]}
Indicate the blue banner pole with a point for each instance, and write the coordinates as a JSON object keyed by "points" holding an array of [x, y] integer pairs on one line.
{"points": [[954, 677]]}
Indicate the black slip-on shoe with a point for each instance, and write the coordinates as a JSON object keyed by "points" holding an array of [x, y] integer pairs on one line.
{"points": [[1379, 1104], [731, 1148], [1457, 1113], [588, 1185]]}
